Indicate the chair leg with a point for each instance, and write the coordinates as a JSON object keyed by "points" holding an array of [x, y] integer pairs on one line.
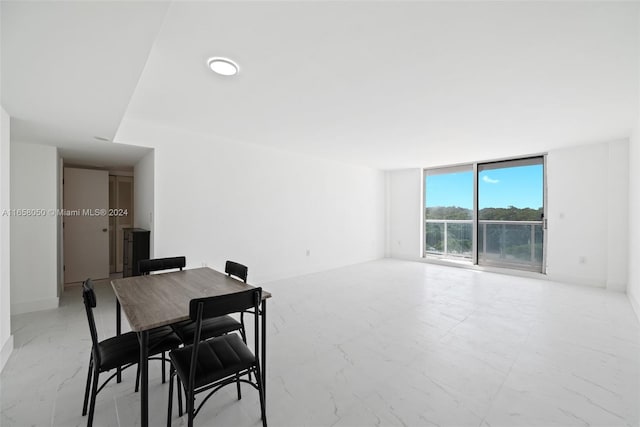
{"points": [[263, 410], [190, 408], [94, 392], [171, 375], [179, 388], [238, 386], [163, 368], [88, 387], [137, 378]]}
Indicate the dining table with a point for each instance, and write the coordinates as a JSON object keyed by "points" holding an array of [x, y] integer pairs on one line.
{"points": [[162, 299]]}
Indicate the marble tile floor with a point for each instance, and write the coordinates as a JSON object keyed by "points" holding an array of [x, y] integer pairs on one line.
{"points": [[384, 343]]}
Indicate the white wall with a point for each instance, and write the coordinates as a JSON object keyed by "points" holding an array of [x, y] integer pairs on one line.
{"points": [[259, 206], [34, 267], [587, 215], [6, 339], [586, 210], [404, 213], [633, 286], [617, 214], [143, 195]]}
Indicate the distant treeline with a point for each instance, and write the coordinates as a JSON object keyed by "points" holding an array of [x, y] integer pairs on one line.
{"points": [[497, 214]]}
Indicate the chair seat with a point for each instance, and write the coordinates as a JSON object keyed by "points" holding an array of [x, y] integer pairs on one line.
{"points": [[217, 359], [124, 349], [118, 351], [212, 327]]}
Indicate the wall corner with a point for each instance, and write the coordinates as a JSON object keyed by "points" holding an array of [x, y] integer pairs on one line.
{"points": [[5, 352]]}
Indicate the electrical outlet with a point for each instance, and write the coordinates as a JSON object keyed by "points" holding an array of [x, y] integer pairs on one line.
{"points": [[582, 259], [308, 252]]}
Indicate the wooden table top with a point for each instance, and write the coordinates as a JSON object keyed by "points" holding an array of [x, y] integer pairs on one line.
{"points": [[162, 299]]}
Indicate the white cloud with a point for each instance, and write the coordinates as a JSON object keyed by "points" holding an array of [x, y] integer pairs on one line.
{"points": [[489, 180]]}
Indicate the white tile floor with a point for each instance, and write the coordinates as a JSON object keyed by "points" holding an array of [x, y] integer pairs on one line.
{"points": [[386, 343]]}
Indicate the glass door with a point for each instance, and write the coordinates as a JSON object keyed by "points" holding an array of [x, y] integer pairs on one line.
{"points": [[448, 213], [511, 214]]}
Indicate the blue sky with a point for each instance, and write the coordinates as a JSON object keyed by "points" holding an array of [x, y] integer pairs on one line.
{"points": [[498, 188]]}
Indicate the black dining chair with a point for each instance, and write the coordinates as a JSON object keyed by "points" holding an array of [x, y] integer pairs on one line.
{"points": [[215, 327], [232, 268], [147, 266], [119, 351], [209, 365]]}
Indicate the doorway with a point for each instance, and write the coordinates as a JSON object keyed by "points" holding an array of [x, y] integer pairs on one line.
{"points": [[85, 224], [121, 209], [98, 204]]}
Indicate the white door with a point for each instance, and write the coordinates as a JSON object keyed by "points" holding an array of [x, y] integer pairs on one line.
{"points": [[86, 224]]}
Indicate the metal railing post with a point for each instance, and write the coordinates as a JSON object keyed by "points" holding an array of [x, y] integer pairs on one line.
{"points": [[484, 240], [533, 246], [446, 244]]}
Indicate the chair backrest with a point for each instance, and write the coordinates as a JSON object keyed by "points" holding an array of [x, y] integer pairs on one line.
{"points": [[204, 308], [89, 297], [146, 266], [225, 304], [234, 269]]}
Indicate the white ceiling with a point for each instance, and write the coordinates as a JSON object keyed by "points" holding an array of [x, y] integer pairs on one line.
{"points": [[383, 84], [69, 70]]}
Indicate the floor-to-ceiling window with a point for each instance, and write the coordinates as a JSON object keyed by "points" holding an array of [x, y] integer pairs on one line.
{"points": [[487, 213], [511, 213], [449, 212]]}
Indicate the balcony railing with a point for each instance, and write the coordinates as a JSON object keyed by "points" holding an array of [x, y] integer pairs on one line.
{"points": [[516, 244]]}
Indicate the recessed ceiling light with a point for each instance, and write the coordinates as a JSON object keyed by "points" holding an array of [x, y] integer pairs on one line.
{"points": [[223, 66], [102, 138]]}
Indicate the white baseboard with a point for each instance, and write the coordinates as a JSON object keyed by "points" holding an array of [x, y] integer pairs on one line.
{"points": [[37, 305], [6, 351]]}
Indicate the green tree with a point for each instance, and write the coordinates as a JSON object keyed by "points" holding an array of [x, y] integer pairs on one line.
{"points": [[448, 212]]}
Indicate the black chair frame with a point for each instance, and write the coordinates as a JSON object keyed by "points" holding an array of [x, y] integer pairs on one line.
{"points": [[216, 327], [232, 268], [147, 266], [89, 297], [163, 358], [94, 395], [95, 362], [200, 309]]}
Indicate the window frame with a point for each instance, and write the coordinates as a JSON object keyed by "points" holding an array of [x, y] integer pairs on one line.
{"points": [[476, 168]]}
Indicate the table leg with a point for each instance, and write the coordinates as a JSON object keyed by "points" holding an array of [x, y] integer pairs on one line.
{"points": [[264, 348], [144, 378], [118, 332]]}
